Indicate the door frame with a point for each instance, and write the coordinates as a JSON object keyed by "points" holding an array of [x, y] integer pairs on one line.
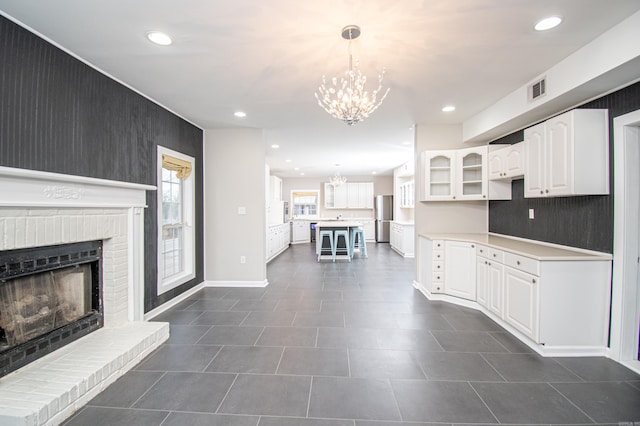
{"points": [[625, 294]]}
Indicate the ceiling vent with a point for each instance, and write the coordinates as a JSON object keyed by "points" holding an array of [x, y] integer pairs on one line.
{"points": [[537, 89]]}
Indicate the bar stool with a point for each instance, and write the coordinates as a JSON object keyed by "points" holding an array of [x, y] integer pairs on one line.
{"points": [[321, 236], [347, 247], [361, 245]]}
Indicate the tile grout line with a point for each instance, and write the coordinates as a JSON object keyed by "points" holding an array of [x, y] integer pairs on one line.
{"points": [[483, 402], [570, 401]]}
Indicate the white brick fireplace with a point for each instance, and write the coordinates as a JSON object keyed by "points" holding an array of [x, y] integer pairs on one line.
{"points": [[43, 209]]}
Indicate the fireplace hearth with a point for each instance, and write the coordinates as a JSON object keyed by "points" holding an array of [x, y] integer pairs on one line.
{"points": [[49, 297]]}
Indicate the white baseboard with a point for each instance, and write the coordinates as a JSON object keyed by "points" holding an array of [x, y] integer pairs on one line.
{"points": [[247, 284], [171, 303]]}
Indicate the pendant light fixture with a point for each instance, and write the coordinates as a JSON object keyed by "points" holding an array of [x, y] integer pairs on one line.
{"points": [[347, 100]]}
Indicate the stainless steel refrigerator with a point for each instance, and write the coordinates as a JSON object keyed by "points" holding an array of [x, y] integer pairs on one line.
{"points": [[384, 216]]}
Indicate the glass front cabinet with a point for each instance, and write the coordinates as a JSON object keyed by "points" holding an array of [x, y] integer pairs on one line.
{"points": [[454, 175]]}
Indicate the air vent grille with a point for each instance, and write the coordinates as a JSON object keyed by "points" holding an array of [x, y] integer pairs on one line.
{"points": [[537, 89]]}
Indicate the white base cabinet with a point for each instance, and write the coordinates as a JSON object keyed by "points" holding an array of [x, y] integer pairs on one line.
{"points": [[460, 269], [402, 238], [301, 232], [369, 227], [278, 239], [558, 306], [521, 297], [431, 264]]}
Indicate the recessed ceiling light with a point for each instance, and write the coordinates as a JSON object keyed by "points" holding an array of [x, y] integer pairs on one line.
{"points": [[374, 173], [448, 108], [240, 114], [548, 23], [296, 168], [275, 146], [159, 38], [406, 143], [287, 160], [302, 174]]}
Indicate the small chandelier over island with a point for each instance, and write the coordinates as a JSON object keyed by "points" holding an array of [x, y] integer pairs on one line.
{"points": [[348, 100], [337, 180]]}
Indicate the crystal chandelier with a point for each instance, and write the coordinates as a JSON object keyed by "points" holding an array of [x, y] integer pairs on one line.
{"points": [[337, 180], [348, 100]]}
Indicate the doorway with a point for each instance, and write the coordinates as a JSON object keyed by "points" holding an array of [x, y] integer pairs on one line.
{"points": [[625, 295]]}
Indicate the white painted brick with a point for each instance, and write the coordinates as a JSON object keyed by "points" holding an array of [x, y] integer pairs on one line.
{"points": [[21, 232], [57, 229], [16, 416]]}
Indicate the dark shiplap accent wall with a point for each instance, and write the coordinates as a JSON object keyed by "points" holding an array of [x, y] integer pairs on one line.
{"points": [[57, 114], [585, 221]]}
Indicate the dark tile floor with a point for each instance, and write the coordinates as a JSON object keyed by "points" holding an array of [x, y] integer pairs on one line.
{"points": [[352, 344]]}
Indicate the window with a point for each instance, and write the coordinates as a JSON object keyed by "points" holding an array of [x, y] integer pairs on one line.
{"points": [[305, 203], [176, 239]]}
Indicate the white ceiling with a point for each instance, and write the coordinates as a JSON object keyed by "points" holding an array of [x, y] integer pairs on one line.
{"points": [[267, 58]]}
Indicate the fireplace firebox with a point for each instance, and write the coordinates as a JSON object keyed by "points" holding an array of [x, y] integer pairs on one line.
{"points": [[49, 297]]}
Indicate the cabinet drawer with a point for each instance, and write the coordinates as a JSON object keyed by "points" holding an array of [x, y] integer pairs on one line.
{"points": [[438, 244], [482, 251], [438, 255], [438, 277], [522, 263], [496, 255], [438, 266]]}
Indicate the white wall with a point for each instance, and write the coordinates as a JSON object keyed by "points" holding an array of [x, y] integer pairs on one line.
{"points": [[234, 177], [444, 216], [382, 185]]}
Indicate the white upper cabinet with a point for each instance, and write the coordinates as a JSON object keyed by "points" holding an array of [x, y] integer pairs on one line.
{"points": [[439, 175], [351, 195], [568, 155], [507, 162], [459, 175], [407, 195], [275, 188], [471, 173]]}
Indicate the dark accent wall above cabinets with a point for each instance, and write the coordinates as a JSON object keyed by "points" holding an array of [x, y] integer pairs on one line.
{"points": [[58, 114], [585, 221]]}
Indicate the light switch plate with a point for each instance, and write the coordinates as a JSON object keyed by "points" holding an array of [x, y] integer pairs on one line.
{"points": [[242, 210], [531, 214]]}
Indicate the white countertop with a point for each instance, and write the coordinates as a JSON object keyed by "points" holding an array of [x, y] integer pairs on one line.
{"points": [[331, 219], [338, 224], [528, 248]]}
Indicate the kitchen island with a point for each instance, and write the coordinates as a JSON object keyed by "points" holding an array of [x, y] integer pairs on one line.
{"points": [[333, 225]]}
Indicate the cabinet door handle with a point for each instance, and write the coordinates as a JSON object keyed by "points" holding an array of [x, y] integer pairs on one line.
{"points": [[517, 262], [494, 255], [546, 190], [473, 246], [533, 280], [481, 251], [542, 192], [489, 263]]}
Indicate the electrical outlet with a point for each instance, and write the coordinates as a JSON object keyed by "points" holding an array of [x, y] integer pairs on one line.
{"points": [[243, 259], [531, 214]]}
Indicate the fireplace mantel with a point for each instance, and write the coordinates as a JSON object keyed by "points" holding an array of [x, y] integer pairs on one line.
{"points": [[32, 188]]}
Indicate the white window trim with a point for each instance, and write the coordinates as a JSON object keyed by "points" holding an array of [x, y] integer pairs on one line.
{"points": [[189, 249], [292, 205]]}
